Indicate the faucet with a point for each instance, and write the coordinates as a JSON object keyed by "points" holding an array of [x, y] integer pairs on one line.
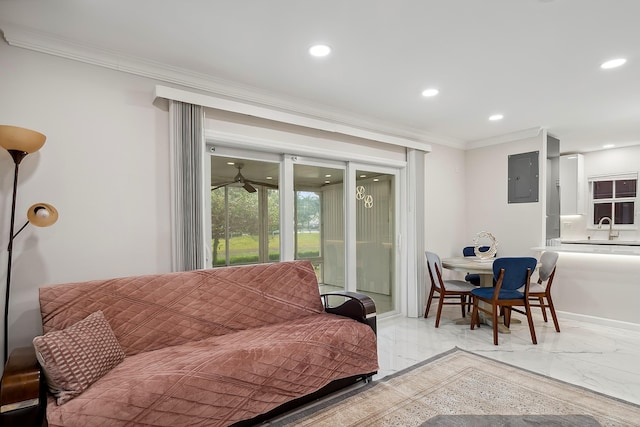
{"points": [[610, 226]]}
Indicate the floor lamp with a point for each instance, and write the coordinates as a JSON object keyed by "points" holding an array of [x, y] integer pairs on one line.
{"points": [[19, 142]]}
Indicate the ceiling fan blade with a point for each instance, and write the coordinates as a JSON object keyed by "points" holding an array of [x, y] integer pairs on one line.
{"points": [[264, 184], [250, 188], [221, 185]]}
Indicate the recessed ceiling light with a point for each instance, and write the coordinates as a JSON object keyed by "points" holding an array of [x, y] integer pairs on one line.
{"points": [[328, 175], [496, 117], [320, 50], [230, 163], [327, 182], [613, 63], [375, 180], [608, 146], [269, 177], [572, 157], [430, 92], [363, 176]]}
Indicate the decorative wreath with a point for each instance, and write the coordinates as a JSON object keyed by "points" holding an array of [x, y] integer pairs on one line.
{"points": [[492, 249]]}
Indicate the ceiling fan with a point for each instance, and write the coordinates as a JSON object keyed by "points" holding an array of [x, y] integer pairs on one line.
{"points": [[240, 181]]}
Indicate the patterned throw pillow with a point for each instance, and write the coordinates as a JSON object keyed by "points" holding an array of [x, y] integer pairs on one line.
{"points": [[76, 357]]}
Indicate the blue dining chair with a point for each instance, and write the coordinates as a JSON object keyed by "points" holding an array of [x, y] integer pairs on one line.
{"points": [[473, 278], [513, 277]]}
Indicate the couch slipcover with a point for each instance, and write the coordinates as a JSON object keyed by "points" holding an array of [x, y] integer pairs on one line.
{"points": [[208, 347]]}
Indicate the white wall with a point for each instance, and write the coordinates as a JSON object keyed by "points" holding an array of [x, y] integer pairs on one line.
{"points": [[617, 160], [445, 225], [445, 201], [516, 226], [105, 166]]}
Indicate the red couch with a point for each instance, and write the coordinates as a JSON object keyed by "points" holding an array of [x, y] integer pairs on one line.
{"points": [[222, 346]]}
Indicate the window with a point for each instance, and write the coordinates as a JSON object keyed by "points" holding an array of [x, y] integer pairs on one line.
{"points": [[614, 198], [245, 214]]}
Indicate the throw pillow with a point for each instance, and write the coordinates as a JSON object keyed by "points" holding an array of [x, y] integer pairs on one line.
{"points": [[74, 358]]}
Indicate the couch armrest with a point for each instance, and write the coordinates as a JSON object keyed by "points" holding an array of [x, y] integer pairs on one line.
{"points": [[22, 390], [357, 306]]}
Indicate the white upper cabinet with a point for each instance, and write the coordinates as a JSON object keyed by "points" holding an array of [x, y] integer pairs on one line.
{"points": [[572, 184]]}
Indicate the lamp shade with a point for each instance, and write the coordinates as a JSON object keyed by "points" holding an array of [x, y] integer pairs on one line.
{"points": [[42, 215], [20, 139]]}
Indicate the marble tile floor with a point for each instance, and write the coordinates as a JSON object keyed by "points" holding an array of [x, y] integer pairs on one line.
{"points": [[601, 358]]}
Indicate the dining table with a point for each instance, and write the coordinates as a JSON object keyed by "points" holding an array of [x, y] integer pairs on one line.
{"points": [[484, 268], [472, 264]]}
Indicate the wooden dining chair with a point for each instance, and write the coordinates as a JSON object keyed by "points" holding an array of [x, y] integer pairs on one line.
{"points": [[447, 290], [540, 292], [511, 274]]}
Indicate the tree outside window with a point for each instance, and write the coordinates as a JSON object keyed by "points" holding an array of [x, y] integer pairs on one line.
{"points": [[243, 235]]}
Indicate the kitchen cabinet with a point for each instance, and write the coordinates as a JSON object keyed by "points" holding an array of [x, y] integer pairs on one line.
{"points": [[572, 185]]}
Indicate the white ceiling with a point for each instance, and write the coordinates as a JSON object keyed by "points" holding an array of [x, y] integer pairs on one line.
{"points": [[535, 61]]}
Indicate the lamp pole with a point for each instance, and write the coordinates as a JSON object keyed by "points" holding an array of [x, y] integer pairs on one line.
{"points": [[17, 158]]}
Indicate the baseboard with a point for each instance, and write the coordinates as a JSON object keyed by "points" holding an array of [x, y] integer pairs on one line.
{"points": [[599, 321], [564, 315]]}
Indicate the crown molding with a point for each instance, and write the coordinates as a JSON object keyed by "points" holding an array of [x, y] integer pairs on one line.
{"points": [[22, 37], [507, 137]]}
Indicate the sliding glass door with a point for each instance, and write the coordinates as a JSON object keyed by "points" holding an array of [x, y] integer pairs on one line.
{"points": [[320, 217], [375, 237], [259, 201]]}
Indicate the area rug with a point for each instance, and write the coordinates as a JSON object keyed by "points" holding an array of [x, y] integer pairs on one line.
{"points": [[459, 388]]}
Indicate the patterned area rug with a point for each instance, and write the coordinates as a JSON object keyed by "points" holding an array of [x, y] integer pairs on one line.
{"points": [[459, 388]]}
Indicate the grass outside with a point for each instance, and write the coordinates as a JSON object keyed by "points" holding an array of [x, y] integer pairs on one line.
{"points": [[244, 249]]}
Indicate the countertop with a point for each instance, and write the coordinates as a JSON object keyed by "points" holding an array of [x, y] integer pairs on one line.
{"points": [[597, 247], [601, 242]]}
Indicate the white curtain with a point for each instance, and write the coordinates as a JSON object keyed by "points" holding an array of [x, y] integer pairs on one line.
{"points": [[186, 139]]}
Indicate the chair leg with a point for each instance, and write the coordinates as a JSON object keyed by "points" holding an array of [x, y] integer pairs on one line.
{"points": [[463, 302], [474, 313], [542, 307], [553, 313], [440, 304], [532, 330], [426, 311], [495, 323], [507, 316]]}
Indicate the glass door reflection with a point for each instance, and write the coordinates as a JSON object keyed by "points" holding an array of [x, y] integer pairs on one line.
{"points": [[375, 242]]}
